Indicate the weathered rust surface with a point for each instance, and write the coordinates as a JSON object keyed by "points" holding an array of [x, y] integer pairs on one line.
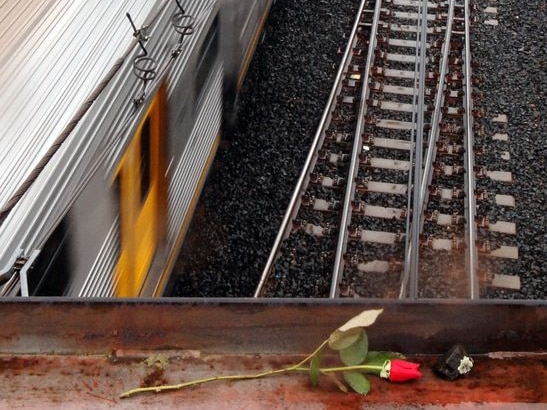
{"points": [[250, 326], [95, 382], [84, 354]]}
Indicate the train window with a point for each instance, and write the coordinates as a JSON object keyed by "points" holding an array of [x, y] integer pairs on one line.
{"points": [[49, 275], [141, 188], [145, 159], [207, 56]]}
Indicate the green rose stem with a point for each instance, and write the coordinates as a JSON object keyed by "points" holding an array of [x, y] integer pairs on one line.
{"points": [[297, 367], [196, 382], [342, 338], [368, 368]]}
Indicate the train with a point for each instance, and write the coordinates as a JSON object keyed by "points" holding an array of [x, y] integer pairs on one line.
{"points": [[112, 113]]}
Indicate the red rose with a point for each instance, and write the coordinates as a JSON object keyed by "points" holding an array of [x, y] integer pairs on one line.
{"points": [[401, 370]]}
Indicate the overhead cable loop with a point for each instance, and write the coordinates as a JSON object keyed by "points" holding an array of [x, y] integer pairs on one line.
{"points": [[184, 25], [144, 66]]}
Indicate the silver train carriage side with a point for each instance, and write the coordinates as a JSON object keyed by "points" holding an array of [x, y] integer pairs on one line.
{"points": [[111, 115]]}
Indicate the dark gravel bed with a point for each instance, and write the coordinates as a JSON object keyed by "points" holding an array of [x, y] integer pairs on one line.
{"points": [[513, 64], [257, 167], [254, 174]]}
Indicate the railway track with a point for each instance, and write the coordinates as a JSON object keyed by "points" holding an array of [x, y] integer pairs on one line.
{"points": [[386, 203]]}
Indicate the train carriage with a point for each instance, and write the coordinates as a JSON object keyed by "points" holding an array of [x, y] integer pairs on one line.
{"points": [[111, 117]]}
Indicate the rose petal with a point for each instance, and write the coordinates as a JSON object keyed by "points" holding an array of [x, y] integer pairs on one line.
{"points": [[402, 371]]}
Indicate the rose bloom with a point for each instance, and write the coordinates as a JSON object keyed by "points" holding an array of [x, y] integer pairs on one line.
{"points": [[400, 370]]}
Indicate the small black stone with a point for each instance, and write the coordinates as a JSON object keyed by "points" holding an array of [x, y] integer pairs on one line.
{"points": [[447, 366]]}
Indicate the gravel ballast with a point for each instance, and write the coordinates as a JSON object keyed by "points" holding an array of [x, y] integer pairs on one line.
{"points": [[254, 174], [512, 62], [289, 80]]}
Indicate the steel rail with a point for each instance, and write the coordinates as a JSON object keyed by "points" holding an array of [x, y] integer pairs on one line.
{"points": [[354, 164], [406, 269], [436, 118], [418, 161], [431, 146], [317, 141], [470, 206]]}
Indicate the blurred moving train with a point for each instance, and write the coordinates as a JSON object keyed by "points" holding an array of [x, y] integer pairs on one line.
{"points": [[111, 114]]}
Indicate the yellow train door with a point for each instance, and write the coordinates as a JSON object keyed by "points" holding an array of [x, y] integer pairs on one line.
{"points": [[142, 194]]}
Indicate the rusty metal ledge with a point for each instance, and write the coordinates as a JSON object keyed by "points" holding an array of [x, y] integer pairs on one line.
{"points": [[96, 382], [274, 326], [82, 354]]}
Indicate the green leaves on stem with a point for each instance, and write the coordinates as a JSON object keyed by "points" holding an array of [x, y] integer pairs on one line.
{"points": [[379, 358], [357, 352], [351, 342], [315, 363], [349, 332], [357, 381]]}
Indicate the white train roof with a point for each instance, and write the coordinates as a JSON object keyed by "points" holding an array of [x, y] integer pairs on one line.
{"points": [[52, 55]]}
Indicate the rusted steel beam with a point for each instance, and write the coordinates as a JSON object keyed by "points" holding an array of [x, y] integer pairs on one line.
{"points": [[246, 326], [96, 382]]}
